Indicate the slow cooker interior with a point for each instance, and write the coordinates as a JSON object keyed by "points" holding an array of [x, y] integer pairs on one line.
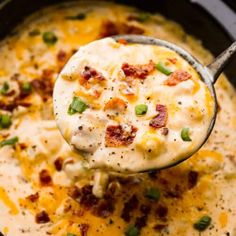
{"points": [[193, 18]]}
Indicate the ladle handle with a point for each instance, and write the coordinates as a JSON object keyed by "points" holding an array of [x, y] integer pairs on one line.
{"points": [[217, 66]]}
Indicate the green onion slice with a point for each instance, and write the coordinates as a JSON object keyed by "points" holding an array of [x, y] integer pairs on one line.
{"points": [[202, 223], [153, 194], [141, 109], [5, 88], [77, 105], [5, 121], [49, 38], [132, 230], [163, 69], [10, 141], [26, 87], [185, 134]]}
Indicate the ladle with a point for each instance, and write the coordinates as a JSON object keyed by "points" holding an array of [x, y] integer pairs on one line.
{"points": [[209, 74]]}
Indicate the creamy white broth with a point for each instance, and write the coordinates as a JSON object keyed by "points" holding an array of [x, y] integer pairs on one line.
{"points": [[188, 105], [41, 144]]}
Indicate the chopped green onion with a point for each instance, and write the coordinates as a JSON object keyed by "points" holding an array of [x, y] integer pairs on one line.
{"points": [[5, 88], [202, 223], [49, 38], [163, 69], [132, 230], [80, 16], [26, 87], [153, 193], [77, 105], [34, 32], [5, 121], [70, 234], [143, 16], [185, 134], [141, 109], [10, 141]]}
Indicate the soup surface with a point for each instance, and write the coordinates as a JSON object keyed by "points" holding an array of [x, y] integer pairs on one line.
{"points": [[45, 188], [134, 108]]}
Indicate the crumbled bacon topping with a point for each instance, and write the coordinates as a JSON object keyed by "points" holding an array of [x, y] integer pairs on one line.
{"points": [[104, 208], [115, 103], [192, 179], [33, 197], [61, 56], [138, 71], [129, 207], [172, 60], [84, 229], [58, 163], [161, 211], [117, 136], [44, 177], [110, 28], [74, 192], [44, 85], [42, 217], [87, 199], [177, 77], [164, 131], [90, 75], [159, 120]]}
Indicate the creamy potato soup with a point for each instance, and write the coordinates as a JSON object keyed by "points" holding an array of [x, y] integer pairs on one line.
{"points": [[46, 188], [133, 108]]}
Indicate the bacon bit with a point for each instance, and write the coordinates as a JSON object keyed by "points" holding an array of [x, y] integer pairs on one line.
{"points": [[61, 56], [83, 229], [116, 136], [175, 192], [161, 211], [122, 41], [23, 146], [116, 104], [58, 163], [192, 179], [10, 93], [177, 77], [87, 199], [104, 208], [45, 178], [160, 120], [141, 221], [160, 227], [145, 209], [90, 73], [138, 71], [110, 28], [33, 197], [172, 60], [164, 131], [44, 85], [74, 192], [42, 217], [129, 206], [47, 74]]}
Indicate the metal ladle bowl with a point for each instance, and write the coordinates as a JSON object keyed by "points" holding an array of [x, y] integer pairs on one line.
{"points": [[209, 74]]}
